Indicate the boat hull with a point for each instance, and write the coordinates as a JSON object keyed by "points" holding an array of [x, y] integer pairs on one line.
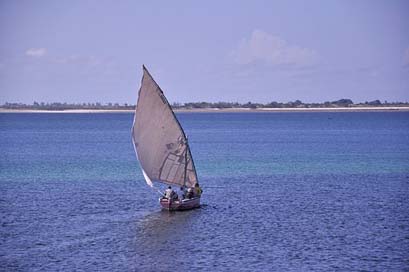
{"points": [[176, 205]]}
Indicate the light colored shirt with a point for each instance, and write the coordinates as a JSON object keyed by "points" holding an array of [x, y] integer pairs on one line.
{"points": [[168, 193]]}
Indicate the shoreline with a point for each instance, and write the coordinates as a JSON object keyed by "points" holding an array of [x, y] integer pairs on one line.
{"points": [[210, 110]]}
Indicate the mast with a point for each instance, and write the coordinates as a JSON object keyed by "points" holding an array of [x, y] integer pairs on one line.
{"points": [[193, 163], [185, 174]]}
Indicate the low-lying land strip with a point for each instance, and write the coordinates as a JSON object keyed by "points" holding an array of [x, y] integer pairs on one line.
{"points": [[297, 106]]}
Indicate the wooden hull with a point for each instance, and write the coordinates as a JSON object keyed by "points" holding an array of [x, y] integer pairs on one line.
{"points": [[176, 205]]}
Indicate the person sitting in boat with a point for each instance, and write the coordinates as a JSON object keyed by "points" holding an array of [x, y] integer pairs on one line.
{"points": [[175, 196], [189, 193], [170, 194], [182, 193], [197, 190]]}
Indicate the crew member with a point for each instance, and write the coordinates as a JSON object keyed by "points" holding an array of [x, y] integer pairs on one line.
{"points": [[197, 190]]}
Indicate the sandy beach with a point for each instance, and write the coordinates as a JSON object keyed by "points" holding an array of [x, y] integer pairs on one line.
{"points": [[207, 110]]}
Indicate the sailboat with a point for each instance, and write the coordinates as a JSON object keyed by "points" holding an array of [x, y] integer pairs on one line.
{"points": [[161, 145]]}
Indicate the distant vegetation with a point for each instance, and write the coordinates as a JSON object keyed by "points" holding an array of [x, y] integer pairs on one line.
{"points": [[291, 104], [68, 106], [202, 105]]}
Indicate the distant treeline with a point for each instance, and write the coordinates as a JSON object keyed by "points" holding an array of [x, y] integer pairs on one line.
{"points": [[291, 104], [203, 105], [68, 106]]}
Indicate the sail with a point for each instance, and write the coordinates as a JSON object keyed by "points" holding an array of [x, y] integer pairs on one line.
{"points": [[159, 140]]}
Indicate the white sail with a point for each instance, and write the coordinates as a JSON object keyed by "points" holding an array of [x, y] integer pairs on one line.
{"points": [[159, 140]]}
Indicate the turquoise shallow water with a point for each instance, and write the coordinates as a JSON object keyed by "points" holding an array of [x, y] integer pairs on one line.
{"points": [[283, 191]]}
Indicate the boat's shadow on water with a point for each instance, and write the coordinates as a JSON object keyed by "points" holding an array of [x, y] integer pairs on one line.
{"points": [[164, 235], [157, 229]]}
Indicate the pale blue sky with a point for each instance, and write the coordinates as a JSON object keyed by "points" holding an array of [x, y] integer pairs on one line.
{"points": [[260, 51]]}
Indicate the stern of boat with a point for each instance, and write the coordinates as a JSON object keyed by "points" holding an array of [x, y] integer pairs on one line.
{"points": [[177, 205]]}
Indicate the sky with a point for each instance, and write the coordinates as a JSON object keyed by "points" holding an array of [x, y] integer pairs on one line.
{"points": [[235, 51]]}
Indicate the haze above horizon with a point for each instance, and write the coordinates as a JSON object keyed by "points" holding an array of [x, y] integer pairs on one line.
{"points": [[259, 51]]}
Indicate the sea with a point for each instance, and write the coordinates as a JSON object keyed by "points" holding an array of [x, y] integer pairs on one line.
{"points": [[283, 191]]}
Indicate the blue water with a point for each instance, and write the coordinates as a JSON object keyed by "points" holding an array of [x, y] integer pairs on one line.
{"points": [[282, 192]]}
